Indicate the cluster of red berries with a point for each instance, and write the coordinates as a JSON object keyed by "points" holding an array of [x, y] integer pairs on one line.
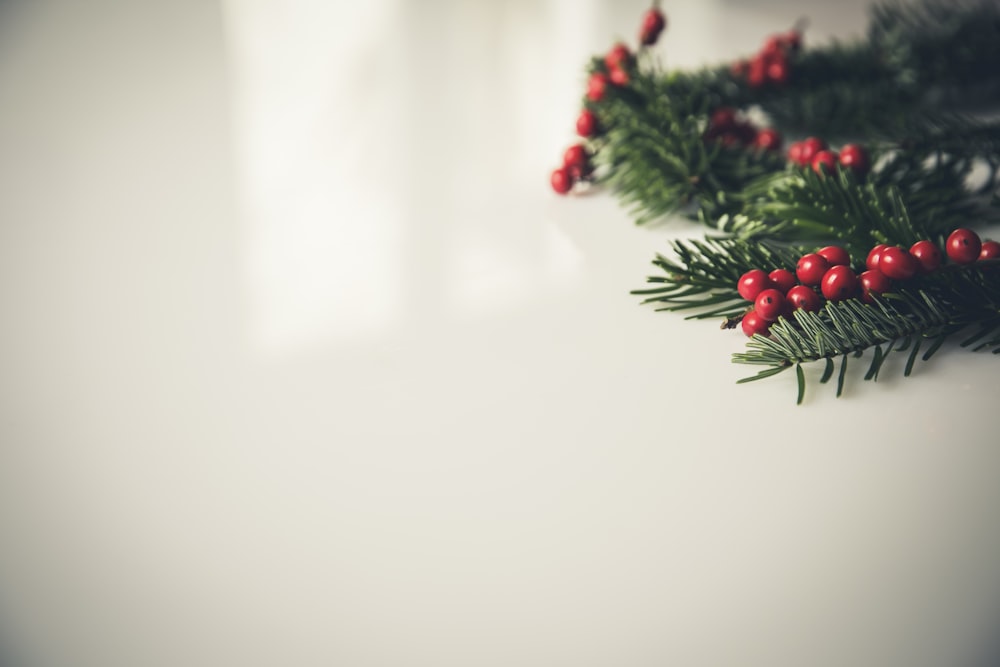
{"points": [[576, 167], [618, 64], [728, 128], [769, 65], [781, 291], [619, 60], [814, 152]]}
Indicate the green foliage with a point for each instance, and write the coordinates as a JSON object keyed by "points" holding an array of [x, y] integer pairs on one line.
{"points": [[933, 310], [702, 280], [657, 159], [909, 92], [917, 58], [904, 90]]}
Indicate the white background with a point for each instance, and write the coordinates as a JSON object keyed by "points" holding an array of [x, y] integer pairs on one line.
{"points": [[302, 363]]}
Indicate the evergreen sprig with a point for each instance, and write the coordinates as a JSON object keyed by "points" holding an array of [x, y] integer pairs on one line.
{"points": [[702, 279], [888, 89], [911, 91], [955, 301]]}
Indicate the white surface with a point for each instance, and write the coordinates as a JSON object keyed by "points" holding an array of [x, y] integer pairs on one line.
{"points": [[303, 364]]}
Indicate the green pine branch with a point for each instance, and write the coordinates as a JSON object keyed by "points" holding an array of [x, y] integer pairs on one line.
{"points": [[888, 89], [917, 58], [702, 278], [964, 299], [909, 93]]}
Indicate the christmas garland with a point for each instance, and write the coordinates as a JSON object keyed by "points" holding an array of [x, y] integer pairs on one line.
{"points": [[818, 254]]}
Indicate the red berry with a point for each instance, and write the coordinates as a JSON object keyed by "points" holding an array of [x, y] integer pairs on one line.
{"points": [[773, 46], [963, 246], [575, 156], [810, 147], [768, 139], [855, 158], [757, 72], [653, 23], [783, 279], [618, 56], [752, 283], [836, 255], [723, 118], [778, 71], [874, 255], [769, 304], [804, 298], [839, 283], [824, 162], [927, 254], [795, 154], [873, 281], [754, 324], [618, 76], [586, 124], [811, 268], [597, 85], [897, 264], [990, 250], [562, 180]]}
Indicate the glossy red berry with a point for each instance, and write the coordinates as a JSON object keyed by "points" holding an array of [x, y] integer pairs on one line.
{"points": [[990, 250], [839, 283], [653, 23], [757, 72], [835, 255], [778, 71], [768, 139], [576, 156], [897, 264], [963, 246], [873, 281], [561, 180], [810, 147], [618, 56], [586, 124], [619, 76], [769, 304], [874, 255], [811, 268], [597, 86], [824, 162], [752, 283], [795, 153], [804, 298], [783, 279], [855, 158], [927, 254], [754, 324], [773, 46]]}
